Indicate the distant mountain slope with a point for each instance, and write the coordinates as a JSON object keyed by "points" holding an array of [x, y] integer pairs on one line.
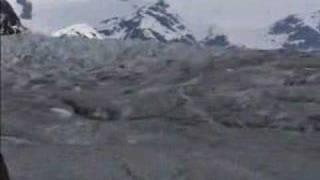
{"points": [[9, 21], [215, 37], [298, 31], [218, 40], [78, 30], [154, 21]]}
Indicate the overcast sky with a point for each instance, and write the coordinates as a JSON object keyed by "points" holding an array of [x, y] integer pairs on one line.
{"points": [[50, 15]]}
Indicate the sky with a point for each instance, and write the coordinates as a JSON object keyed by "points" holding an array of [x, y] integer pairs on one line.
{"points": [[229, 15]]}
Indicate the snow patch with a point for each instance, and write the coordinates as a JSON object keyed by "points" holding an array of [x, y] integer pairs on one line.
{"points": [[79, 30], [312, 20]]}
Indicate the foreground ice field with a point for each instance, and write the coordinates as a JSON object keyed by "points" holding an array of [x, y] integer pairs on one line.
{"points": [[77, 109]]}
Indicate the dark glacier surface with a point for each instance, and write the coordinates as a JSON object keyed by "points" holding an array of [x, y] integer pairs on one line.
{"points": [[80, 109]]}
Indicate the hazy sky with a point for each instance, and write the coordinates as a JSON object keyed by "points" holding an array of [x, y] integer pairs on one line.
{"points": [[50, 15]]}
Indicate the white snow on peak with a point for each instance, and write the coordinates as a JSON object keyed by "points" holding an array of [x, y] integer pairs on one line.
{"points": [[16, 7], [296, 30], [312, 20], [263, 39], [153, 20], [79, 30], [149, 23]]}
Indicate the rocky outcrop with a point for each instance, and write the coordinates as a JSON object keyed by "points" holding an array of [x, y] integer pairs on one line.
{"points": [[219, 40], [9, 21], [3, 169]]}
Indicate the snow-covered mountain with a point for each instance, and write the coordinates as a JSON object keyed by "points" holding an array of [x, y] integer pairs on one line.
{"points": [[9, 21], [298, 31], [79, 30], [301, 31], [155, 21]]}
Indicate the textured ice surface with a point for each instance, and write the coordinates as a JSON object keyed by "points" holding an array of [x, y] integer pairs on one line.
{"points": [[79, 109]]}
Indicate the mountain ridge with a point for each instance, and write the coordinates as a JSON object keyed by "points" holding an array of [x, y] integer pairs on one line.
{"points": [[159, 22], [299, 31], [152, 21]]}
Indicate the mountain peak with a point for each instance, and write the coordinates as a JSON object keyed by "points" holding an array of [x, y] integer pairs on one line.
{"points": [[150, 22], [300, 31]]}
